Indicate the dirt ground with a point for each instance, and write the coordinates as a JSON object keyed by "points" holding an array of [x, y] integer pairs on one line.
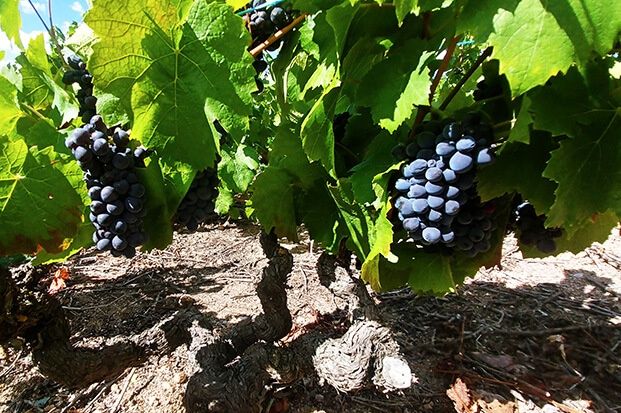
{"points": [[528, 336]]}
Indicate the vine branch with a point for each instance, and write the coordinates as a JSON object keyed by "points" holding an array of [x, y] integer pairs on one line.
{"points": [[277, 36], [484, 55], [423, 110], [50, 30], [443, 66]]}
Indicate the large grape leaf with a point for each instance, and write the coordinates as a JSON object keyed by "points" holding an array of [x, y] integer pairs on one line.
{"points": [[10, 20], [273, 202], [177, 66], [396, 84], [519, 168], [38, 206], [316, 132], [39, 89], [535, 39], [278, 191], [595, 229], [423, 272], [9, 107], [586, 166]]}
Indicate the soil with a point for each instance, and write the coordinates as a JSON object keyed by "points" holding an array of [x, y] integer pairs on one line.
{"points": [[531, 335]]}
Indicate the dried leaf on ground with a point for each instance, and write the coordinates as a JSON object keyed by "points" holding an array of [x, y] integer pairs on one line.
{"points": [[58, 280], [460, 395]]}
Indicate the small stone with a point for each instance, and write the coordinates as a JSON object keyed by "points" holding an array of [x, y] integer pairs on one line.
{"points": [[181, 377]]}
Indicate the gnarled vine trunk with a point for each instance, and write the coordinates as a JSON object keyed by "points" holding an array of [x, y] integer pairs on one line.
{"points": [[229, 372]]}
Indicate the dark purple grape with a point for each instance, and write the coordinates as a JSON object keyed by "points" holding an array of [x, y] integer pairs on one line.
{"points": [[449, 175], [120, 227], [82, 154], [121, 187], [108, 194], [121, 161], [104, 219], [104, 244], [460, 163], [417, 191], [402, 185], [466, 144], [434, 189], [97, 207], [452, 131], [120, 138], [94, 193], [411, 224], [431, 235], [435, 202], [420, 206], [451, 207], [133, 204], [484, 157], [445, 149], [119, 243], [433, 174], [434, 216], [115, 208], [452, 192]]}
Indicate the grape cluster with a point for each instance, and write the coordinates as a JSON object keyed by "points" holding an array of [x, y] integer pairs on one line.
{"points": [[437, 176], [117, 196], [84, 79], [199, 202], [473, 227], [531, 227], [265, 21]]}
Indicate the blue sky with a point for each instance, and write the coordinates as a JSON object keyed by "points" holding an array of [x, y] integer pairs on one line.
{"points": [[63, 13]]}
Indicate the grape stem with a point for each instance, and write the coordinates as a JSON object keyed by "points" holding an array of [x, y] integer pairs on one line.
{"points": [[484, 55], [50, 30], [423, 110], [34, 111], [277, 36]]}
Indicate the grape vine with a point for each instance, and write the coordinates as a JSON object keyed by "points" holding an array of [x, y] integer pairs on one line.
{"points": [[346, 87]]}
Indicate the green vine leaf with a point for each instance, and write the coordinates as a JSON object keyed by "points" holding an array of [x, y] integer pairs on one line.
{"points": [[177, 67], [10, 20], [536, 39], [590, 158], [395, 85], [518, 168], [30, 182]]}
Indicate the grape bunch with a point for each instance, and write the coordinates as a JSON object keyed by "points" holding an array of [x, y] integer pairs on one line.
{"points": [[439, 171], [117, 196], [84, 79], [531, 227], [199, 202], [473, 227], [265, 20]]}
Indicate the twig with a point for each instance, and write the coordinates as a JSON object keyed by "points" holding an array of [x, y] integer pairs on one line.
{"points": [[550, 331], [98, 395], [277, 36], [50, 31], [12, 365], [117, 405], [423, 110], [486, 53], [443, 66]]}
